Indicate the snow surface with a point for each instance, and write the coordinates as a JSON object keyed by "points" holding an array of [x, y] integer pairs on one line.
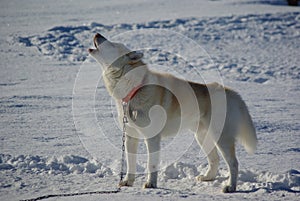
{"points": [[253, 44]]}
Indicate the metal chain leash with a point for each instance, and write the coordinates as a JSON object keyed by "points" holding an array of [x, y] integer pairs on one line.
{"points": [[124, 121]]}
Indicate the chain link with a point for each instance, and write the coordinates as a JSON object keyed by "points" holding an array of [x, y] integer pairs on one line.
{"points": [[125, 121]]}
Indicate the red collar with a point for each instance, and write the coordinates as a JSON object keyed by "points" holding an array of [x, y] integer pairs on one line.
{"points": [[132, 93]]}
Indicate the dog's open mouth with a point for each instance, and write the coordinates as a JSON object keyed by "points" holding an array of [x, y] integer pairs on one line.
{"points": [[98, 40]]}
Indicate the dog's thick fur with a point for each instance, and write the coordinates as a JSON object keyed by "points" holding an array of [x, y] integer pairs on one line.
{"points": [[118, 63]]}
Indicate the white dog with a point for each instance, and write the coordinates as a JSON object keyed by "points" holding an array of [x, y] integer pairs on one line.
{"points": [[161, 104]]}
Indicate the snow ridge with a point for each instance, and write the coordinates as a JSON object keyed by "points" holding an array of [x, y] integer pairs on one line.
{"points": [[69, 164], [249, 180]]}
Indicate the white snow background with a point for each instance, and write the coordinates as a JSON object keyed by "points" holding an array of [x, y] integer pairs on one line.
{"points": [[254, 44]]}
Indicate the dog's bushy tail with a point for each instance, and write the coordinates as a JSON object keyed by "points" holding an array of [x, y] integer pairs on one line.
{"points": [[247, 135]]}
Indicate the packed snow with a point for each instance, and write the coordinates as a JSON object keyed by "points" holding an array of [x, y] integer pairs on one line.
{"points": [[251, 46]]}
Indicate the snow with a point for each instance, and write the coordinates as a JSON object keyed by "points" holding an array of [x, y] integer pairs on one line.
{"points": [[250, 46]]}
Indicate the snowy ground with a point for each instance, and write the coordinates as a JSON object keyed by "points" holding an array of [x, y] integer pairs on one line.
{"points": [[253, 44]]}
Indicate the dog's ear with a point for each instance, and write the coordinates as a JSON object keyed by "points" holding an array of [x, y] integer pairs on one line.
{"points": [[135, 57]]}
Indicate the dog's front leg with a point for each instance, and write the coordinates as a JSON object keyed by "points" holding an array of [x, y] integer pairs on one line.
{"points": [[153, 147], [131, 144]]}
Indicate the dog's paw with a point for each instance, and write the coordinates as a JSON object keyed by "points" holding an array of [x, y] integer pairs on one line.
{"points": [[229, 189], [204, 178], [126, 183], [150, 185]]}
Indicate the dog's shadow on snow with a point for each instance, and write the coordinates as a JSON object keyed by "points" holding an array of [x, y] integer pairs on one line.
{"points": [[268, 190], [271, 187]]}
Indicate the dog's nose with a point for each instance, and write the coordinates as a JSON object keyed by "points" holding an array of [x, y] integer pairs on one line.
{"points": [[99, 38]]}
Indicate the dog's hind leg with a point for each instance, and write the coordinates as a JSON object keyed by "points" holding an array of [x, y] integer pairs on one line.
{"points": [[153, 147], [212, 157], [131, 144], [213, 164], [227, 148]]}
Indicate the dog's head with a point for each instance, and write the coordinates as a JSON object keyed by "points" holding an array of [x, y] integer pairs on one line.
{"points": [[113, 54]]}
